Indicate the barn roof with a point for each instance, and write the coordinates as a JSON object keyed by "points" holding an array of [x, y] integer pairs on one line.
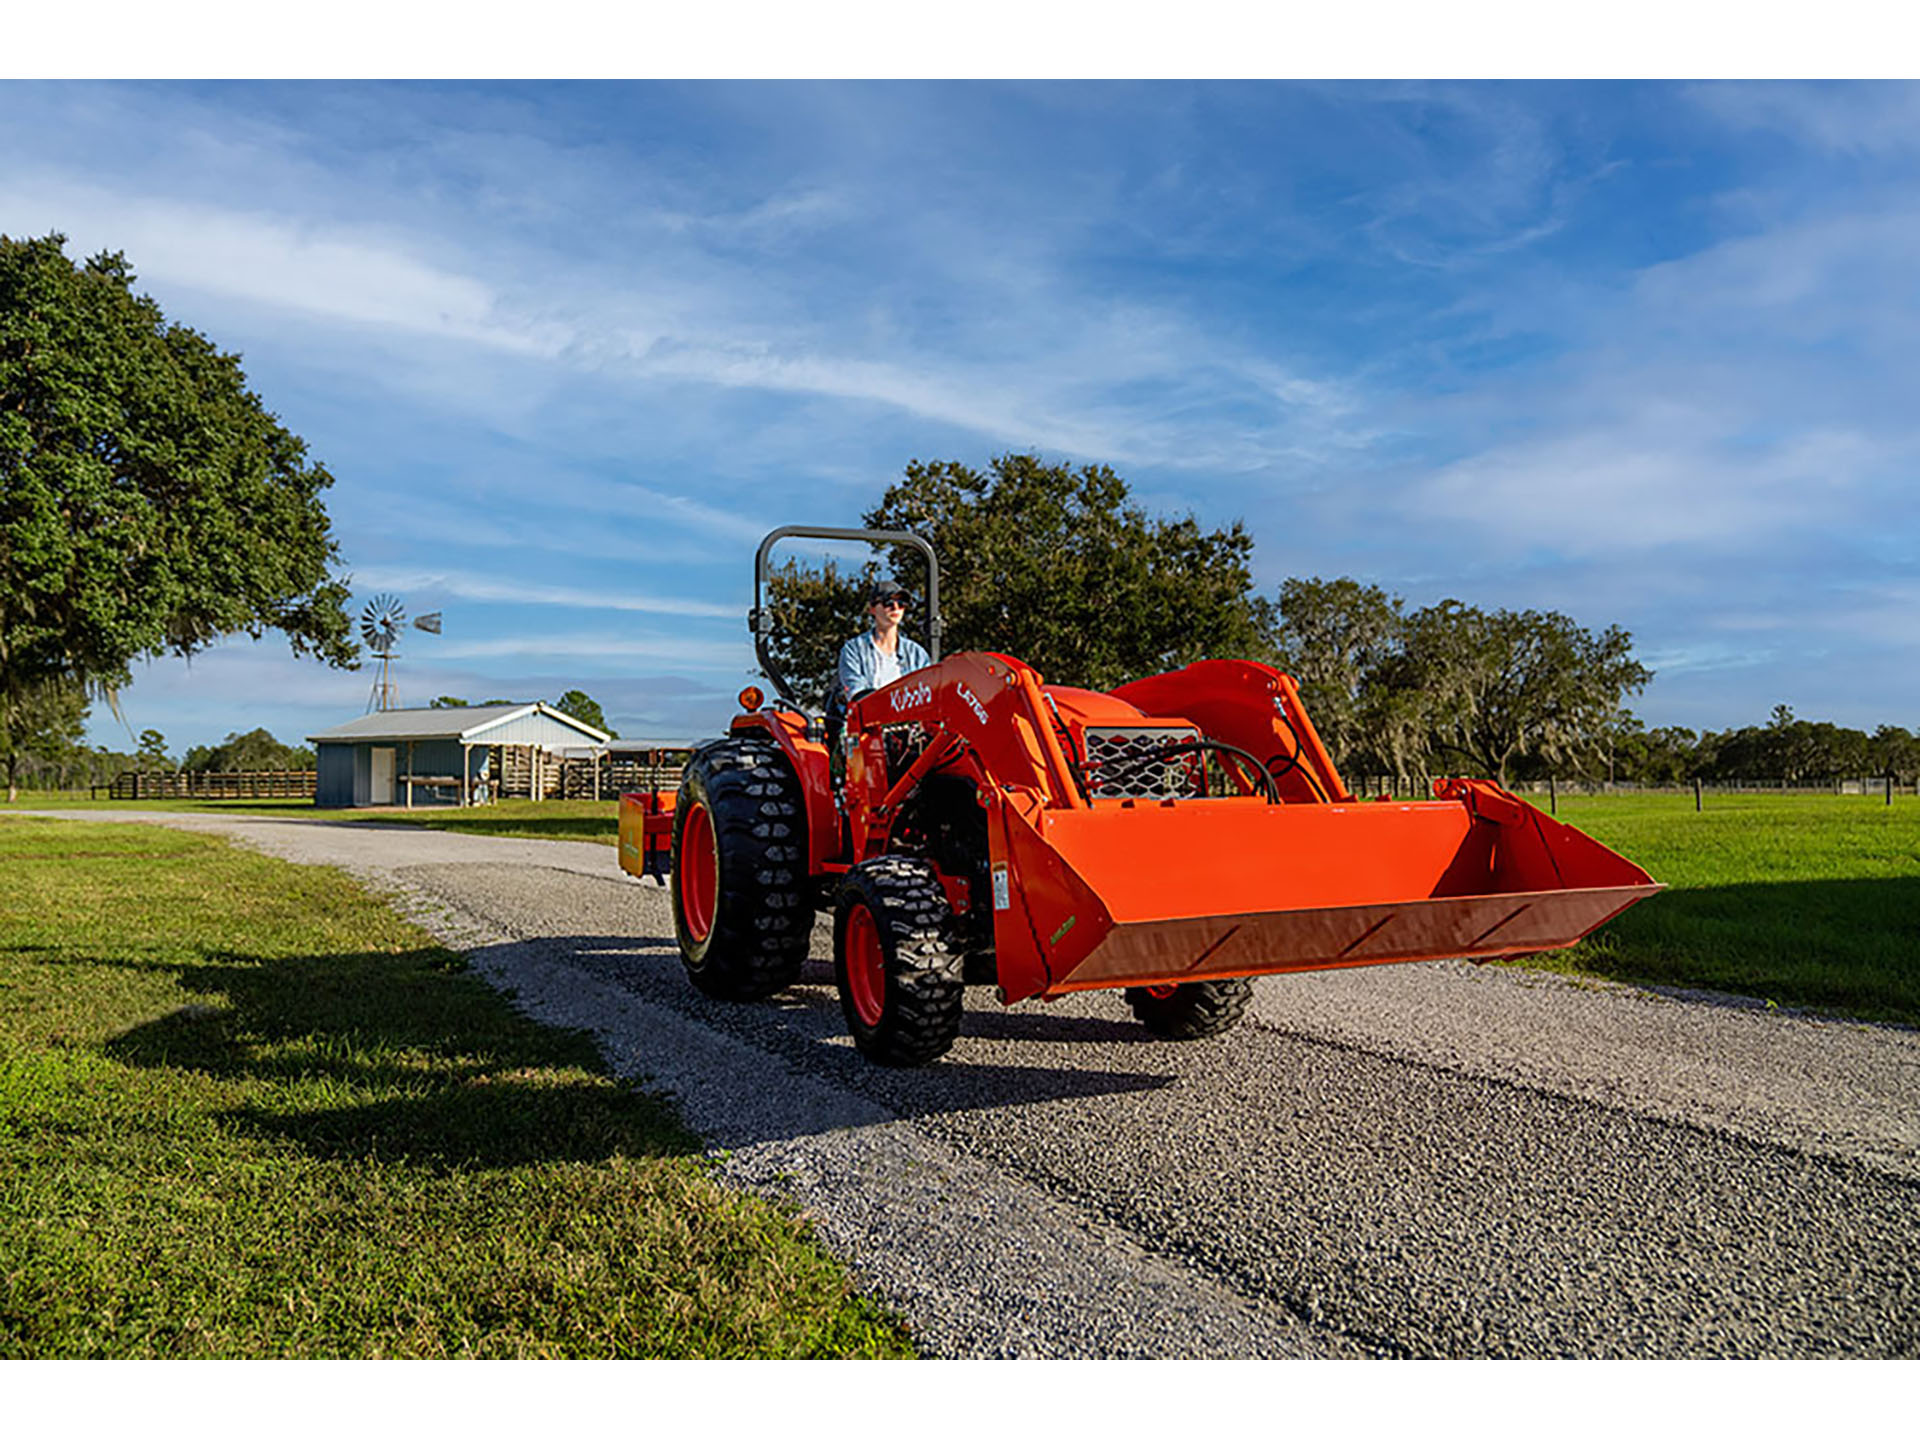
{"points": [[534, 722]]}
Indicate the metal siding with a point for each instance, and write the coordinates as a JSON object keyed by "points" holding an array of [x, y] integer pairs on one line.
{"points": [[333, 777], [436, 757], [433, 757]]}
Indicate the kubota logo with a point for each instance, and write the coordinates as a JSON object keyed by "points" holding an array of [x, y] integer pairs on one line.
{"points": [[979, 710], [912, 695]]}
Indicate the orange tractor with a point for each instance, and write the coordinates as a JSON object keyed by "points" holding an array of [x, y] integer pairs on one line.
{"points": [[1172, 838]]}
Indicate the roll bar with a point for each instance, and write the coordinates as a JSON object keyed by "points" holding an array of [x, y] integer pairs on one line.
{"points": [[760, 620]]}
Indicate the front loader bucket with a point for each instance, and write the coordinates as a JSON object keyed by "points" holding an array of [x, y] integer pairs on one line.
{"points": [[1154, 893]]}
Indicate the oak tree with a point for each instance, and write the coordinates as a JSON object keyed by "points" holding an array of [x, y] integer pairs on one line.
{"points": [[149, 502], [584, 708], [44, 723], [1054, 565]]}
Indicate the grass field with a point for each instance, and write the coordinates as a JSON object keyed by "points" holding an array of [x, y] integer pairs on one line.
{"points": [[247, 1111], [1805, 900], [593, 820], [32, 800], [596, 820]]}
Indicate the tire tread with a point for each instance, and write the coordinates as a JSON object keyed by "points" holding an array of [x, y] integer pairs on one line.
{"points": [[925, 970], [1194, 1011], [761, 925]]}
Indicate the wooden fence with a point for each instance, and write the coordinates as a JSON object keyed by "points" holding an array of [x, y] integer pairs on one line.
{"points": [[208, 785], [522, 773], [1420, 787]]}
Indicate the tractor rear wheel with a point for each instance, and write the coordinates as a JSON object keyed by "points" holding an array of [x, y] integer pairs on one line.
{"points": [[899, 972], [740, 907], [1193, 1011]]}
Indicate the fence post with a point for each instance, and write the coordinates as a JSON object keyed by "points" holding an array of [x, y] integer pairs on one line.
{"points": [[1889, 787], [1696, 794], [1553, 796]]}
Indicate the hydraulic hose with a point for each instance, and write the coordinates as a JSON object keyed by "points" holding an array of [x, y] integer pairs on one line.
{"points": [[1190, 746]]}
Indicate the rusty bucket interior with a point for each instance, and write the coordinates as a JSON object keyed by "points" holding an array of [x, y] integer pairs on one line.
{"points": [[1169, 892]]}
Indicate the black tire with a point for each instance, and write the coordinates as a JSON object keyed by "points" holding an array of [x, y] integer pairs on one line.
{"points": [[1191, 1012], [747, 936], [902, 998]]}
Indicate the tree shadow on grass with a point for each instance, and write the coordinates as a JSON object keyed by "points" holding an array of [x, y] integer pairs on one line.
{"points": [[387, 1056], [790, 1067]]}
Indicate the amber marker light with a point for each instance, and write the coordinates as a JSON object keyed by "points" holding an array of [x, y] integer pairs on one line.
{"points": [[751, 698]]}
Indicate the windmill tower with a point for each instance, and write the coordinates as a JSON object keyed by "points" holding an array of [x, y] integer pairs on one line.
{"points": [[380, 626]]}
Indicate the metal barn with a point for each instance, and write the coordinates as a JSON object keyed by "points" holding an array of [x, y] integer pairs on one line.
{"points": [[439, 757]]}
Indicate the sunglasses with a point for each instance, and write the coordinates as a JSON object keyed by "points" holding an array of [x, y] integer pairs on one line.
{"points": [[899, 600]]}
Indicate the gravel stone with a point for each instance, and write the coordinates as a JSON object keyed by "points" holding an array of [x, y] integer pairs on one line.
{"points": [[1431, 1160]]}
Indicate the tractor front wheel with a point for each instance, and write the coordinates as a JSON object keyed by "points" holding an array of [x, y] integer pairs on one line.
{"points": [[740, 907], [900, 975], [1190, 1012]]}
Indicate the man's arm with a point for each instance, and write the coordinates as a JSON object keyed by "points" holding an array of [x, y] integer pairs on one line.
{"points": [[852, 674]]}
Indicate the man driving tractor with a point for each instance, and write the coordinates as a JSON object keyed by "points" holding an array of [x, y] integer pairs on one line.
{"points": [[875, 657]]}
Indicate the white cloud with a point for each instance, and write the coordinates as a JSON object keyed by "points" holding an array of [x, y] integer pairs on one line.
{"points": [[1706, 658], [1846, 274], [653, 506], [1853, 117], [520, 592], [770, 297], [357, 279], [1633, 487], [1882, 612], [688, 654], [1745, 399], [576, 519]]}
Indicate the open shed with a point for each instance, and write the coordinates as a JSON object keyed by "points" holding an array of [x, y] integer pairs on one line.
{"points": [[439, 757]]}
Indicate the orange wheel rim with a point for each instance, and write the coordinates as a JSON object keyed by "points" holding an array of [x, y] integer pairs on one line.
{"points": [[866, 966], [699, 871]]}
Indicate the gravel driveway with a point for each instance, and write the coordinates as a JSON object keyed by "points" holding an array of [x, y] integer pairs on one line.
{"points": [[1430, 1160]]}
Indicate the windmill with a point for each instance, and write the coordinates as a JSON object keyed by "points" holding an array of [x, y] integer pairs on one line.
{"points": [[380, 626]]}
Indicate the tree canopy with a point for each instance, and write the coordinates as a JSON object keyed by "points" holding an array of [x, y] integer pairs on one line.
{"points": [[44, 722], [1335, 638], [152, 751], [1055, 565], [1450, 686], [149, 503], [255, 750], [584, 708], [815, 611]]}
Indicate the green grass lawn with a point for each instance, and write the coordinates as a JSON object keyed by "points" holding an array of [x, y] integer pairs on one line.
{"points": [[245, 1110], [596, 820], [32, 800], [1806, 900]]}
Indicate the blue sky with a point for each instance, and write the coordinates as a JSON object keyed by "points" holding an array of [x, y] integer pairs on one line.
{"points": [[1644, 353]]}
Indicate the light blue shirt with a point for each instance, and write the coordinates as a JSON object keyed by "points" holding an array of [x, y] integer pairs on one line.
{"points": [[864, 667]]}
